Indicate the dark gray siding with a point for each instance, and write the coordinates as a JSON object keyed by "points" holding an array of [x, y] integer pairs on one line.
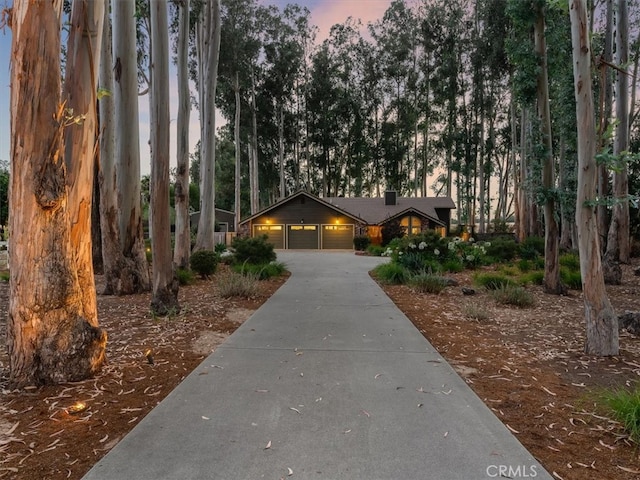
{"points": [[302, 210], [274, 233]]}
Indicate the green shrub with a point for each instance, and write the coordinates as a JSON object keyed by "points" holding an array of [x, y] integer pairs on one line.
{"points": [[204, 262], [256, 250], [261, 272], [513, 295], [414, 262], [502, 249], [219, 248], [361, 242], [375, 250], [452, 265], [238, 285], [571, 278], [624, 406], [425, 282], [493, 281], [536, 277], [4, 276], [392, 230], [185, 277], [391, 273], [532, 247], [524, 265], [571, 261]]}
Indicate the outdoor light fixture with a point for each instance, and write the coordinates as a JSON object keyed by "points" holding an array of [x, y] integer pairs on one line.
{"points": [[76, 408]]}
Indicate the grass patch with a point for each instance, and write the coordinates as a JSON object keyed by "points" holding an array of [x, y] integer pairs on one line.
{"points": [[453, 266], [262, 271], [535, 277], [475, 311], [570, 260], [391, 273], [425, 282], [236, 284], [513, 295], [571, 278], [493, 281], [624, 406], [185, 277]]}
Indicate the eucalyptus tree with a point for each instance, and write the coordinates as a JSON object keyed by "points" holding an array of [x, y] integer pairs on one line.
{"points": [[165, 283], [618, 242], [601, 322], [182, 248], [133, 276], [208, 51], [52, 330]]}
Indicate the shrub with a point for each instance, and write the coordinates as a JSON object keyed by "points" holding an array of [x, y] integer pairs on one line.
{"points": [[238, 285], [536, 277], [256, 250], [412, 261], [571, 278], [425, 282], [261, 272], [624, 406], [532, 247], [375, 250], [185, 277], [513, 295], [476, 311], [453, 265], [361, 242], [204, 262], [220, 248], [392, 230], [570, 260], [502, 249], [524, 265], [391, 273], [493, 281], [4, 276]]}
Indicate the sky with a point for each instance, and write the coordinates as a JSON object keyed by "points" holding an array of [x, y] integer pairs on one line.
{"points": [[324, 14]]}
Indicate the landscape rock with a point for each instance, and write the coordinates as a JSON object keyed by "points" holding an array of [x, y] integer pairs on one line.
{"points": [[629, 321]]}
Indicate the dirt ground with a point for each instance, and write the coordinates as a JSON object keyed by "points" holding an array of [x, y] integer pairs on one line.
{"points": [[526, 364]]}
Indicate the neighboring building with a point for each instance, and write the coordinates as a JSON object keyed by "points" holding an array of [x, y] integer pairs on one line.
{"points": [[225, 220], [304, 221]]}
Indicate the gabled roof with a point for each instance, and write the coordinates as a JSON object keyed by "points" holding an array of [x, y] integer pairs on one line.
{"points": [[308, 195], [375, 212]]}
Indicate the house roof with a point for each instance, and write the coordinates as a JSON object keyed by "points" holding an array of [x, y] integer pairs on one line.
{"points": [[375, 212], [308, 195]]}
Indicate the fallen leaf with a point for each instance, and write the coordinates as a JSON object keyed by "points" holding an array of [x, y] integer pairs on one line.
{"points": [[289, 472], [295, 410], [205, 418], [268, 445], [629, 470]]}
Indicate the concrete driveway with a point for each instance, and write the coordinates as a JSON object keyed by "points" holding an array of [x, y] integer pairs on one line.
{"points": [[327, 380]]}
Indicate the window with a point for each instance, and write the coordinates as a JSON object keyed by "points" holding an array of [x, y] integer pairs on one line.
{"points": [[412, 224]]}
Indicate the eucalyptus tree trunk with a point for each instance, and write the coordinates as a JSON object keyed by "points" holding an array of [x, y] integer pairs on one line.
{"points": [[236, 133], [182, 248], [134, 278], [552, 282], [165, 283], [522, 217], [209, 48], [52, 335], [606, 108], [283, 192], [79, 95], [618, 243], [253, 158], [601, 322], [113, 259]]}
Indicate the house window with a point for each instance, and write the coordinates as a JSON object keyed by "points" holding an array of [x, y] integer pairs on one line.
{"points": [[303, 227], [413, 225], [267, 228]]}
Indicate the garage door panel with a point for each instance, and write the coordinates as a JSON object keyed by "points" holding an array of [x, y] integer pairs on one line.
{"points": [[302, 237], [337, 237], [274, 233]]}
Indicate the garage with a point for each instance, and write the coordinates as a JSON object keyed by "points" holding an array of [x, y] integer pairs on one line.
{"points": [[274, 233], [337, 237], [302, 237]]}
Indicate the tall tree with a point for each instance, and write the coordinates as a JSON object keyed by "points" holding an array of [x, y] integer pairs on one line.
{"points": [[208, 43], [134, 278], [618, 243], [165, 283], [182, 248], [601, 322], [52, 335], [552, 282]]}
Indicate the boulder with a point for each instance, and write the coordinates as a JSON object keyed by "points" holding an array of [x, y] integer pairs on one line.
{"points": [[629, 321]]}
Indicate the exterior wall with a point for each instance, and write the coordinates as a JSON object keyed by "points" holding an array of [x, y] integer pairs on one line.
{"points": [[444, 214], [302, 210]]}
